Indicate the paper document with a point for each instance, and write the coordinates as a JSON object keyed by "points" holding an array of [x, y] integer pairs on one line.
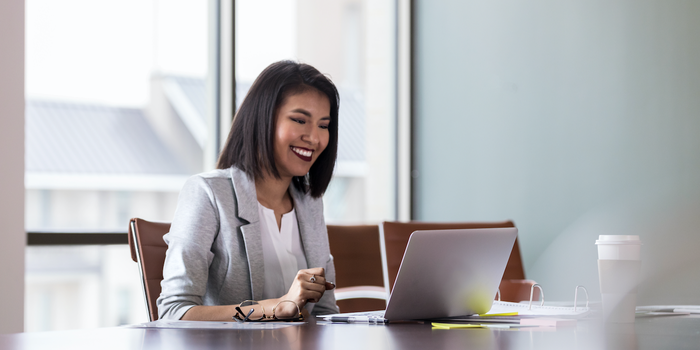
{"points": [[215, 325], [679, 309], [502, 307]]}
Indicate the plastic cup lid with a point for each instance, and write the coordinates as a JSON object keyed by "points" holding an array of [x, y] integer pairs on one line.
{"points": [[618, 239]]}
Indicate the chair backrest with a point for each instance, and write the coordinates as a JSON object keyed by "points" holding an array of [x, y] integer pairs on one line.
{"points": [[148, 249], [517, 290], [358, 262], [395, 239]]}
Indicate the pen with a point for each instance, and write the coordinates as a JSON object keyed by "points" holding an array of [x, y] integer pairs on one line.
{"points": [[353, 319]]}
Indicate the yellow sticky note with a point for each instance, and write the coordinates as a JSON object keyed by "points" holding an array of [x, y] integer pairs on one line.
{"points": [[455, 325]]}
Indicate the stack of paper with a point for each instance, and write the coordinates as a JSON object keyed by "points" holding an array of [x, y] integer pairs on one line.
{"points": [[502, 308], [670, 310], [215, 325]]}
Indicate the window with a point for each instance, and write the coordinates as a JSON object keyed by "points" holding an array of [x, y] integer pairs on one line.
{"points": [[117, 118], [355, 43], [121, 110]]}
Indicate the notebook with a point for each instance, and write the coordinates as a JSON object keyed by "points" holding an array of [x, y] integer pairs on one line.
{"points": [[447, 273]]}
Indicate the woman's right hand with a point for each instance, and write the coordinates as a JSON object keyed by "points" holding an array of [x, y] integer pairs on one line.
{"points": [[308, 287]]}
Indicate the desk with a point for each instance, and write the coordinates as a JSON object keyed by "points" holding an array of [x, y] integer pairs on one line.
{"points": [[677, 332]]}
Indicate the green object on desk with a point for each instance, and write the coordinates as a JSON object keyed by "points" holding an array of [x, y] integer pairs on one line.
{"points": [[437, 325]]}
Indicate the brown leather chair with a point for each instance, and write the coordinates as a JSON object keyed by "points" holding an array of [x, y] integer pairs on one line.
{"points": [[148, 250], [516, 290], [513, 287], [358, 267]]}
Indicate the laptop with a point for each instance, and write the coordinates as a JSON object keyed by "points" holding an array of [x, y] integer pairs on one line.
{"points": [[446, 273]]}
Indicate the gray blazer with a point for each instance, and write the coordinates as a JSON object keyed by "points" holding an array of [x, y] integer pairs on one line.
{"points": [[215, 254]]}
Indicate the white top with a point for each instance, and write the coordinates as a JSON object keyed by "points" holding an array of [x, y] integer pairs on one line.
{"points": [[282, 251]]}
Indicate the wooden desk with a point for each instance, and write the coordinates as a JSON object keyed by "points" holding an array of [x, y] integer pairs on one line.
{"points": [[677, 332]]}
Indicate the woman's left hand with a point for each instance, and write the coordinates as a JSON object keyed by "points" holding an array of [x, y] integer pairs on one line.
{"points": [[308, 287]]}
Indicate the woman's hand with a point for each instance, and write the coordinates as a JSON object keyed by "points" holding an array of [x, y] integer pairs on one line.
{"points": [[308, 287], [304, 289]]}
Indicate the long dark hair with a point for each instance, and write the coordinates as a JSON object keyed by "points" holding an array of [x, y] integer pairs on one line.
{"points": [[250, 143]]}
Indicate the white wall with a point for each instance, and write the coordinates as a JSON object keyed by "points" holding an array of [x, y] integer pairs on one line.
{"points": [[12, 160], [573, 118]]}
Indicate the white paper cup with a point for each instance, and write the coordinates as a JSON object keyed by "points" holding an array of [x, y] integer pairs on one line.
{"points": [[619, 265]]}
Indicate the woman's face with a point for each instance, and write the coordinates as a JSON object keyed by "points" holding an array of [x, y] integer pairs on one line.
{"points": [[302, 132]]}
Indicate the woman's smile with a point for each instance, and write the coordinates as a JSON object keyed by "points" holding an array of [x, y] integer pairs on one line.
{"points": [[303, 153]]}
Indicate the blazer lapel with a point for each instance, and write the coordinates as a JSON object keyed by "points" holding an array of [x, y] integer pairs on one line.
{"points": [[247, 206], [310, 230]]}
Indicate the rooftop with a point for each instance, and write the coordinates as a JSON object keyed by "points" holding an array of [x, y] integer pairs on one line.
{"points": [[65, 137], [87, 139]]}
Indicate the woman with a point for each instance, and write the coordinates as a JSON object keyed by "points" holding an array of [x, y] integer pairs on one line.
{"points": [[253, 229]]}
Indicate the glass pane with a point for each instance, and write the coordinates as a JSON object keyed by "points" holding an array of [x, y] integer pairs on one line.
{"points": [[116, 121], [354, 42], [116, 110], [72, 287]]}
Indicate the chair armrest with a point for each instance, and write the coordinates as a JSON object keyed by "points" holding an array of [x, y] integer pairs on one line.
{"points": [[358, 292]]}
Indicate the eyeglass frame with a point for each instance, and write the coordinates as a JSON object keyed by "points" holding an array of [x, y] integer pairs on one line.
{"points": [[264, 318]]}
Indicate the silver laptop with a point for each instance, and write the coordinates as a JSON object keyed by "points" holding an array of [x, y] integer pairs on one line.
{"points": [[447, 273]]}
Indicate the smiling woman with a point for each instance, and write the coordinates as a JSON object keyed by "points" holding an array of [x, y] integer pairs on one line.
{"points": [[302, 131], [250, 145], [254, 229]]}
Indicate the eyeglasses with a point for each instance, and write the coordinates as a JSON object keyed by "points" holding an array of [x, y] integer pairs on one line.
{"points": [[241, 316]]}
